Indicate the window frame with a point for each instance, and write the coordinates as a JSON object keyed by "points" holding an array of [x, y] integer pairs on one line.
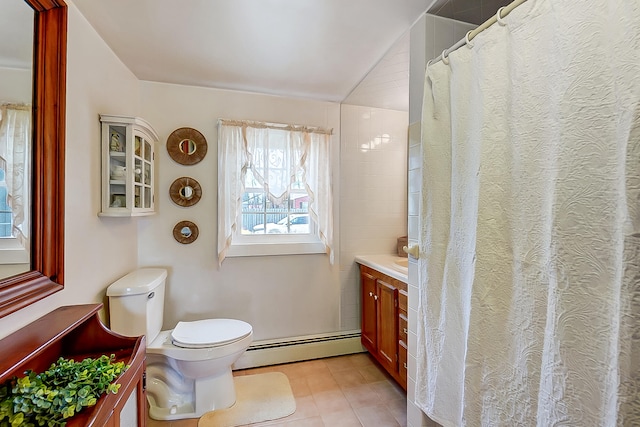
{"points": [[261, 244]]}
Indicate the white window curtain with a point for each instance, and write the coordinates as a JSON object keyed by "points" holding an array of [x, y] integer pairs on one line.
{"points": [[309, 154], [15, 146]]}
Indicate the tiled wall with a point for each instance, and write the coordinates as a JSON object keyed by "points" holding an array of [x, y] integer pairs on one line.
{"points": [[373, 193], [387, 84], [429, 37]]}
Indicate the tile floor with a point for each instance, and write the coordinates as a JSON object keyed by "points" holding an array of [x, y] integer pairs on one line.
{"points": [[341, 391]]}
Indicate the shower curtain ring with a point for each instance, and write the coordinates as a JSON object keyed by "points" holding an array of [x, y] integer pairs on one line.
{"points": [[445, 58], [499, 17], [467, 40]]}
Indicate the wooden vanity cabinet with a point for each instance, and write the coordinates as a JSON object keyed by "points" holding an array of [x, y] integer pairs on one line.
{"points": [[76, 332], [384, 316]]}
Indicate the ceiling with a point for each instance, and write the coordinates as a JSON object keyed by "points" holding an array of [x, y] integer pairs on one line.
{"points": [[329, 50], [317, 49]]}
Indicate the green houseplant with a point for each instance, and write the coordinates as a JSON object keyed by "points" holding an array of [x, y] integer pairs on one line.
{"points": [[52, 397]]}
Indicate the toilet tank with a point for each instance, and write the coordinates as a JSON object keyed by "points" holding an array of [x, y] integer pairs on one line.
{"points": [[136, 303]]}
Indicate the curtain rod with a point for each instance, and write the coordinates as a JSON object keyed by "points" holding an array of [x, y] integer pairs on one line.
{"points": [[279, 126], [15, 105], [502, 12]]}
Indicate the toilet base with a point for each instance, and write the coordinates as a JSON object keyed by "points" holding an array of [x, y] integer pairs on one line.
{"points": [[212, 393]]}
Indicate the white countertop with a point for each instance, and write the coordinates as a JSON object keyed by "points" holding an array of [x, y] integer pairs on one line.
{"points": [[384, 263]]}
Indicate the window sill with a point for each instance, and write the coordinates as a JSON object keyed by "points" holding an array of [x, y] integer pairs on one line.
{"points": [[269, 249], [12, 252]]}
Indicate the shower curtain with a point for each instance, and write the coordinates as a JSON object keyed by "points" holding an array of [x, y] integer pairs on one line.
{"points": [[529, 308]]}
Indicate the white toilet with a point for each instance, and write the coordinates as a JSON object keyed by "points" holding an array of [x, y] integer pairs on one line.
{"points": [[189, 367]]}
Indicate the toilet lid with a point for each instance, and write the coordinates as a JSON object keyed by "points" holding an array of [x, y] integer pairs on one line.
{"points": [[209, 332]]}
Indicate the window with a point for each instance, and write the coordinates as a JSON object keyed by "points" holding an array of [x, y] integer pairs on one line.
{"points": [[6, 222], [15, 146], [274, 192]]}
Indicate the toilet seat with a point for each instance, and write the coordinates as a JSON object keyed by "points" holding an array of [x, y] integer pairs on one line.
{"points": [[209, 333]]}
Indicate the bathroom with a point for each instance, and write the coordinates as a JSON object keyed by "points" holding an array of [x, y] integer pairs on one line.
{"points": [[373, 206], [314, 297]]}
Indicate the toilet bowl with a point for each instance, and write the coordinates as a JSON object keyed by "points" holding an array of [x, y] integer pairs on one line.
{"points": [[188, 367]]}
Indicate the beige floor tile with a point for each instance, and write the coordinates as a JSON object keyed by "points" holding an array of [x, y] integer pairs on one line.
{"points": [[361, 395], [340, 363], [348, 378], [398, 408], [360, 359], [331, 401], [293, 370], [314, 367], [346, 418], [375, 416], [388, 390], [318, 383], [373, 373], [299, 387]]}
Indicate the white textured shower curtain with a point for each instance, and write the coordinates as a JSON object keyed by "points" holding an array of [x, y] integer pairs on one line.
{"points": [[529, 311]]}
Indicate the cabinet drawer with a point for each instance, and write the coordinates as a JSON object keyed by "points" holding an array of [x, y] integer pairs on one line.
{"points": [[402, 300], [402, 362], [402, 328]]}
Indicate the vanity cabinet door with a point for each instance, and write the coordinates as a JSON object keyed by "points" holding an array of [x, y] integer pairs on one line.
{"points": [[387, 323], [369, 312]]}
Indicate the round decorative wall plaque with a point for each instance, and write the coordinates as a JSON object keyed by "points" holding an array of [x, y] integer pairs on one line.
{"points": [[185, 191], [186, 146], [185, 232]]}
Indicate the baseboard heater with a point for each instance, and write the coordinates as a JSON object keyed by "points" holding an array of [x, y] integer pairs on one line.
{"points": [[295, 349]]}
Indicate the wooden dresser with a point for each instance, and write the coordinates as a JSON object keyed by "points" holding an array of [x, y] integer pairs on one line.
{"points": [[77, 332]]}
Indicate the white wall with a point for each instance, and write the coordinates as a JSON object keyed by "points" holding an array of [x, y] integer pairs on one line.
{"points": [[281, 296], [97, 251], [15, 85], [373, 201], [429, 37]]}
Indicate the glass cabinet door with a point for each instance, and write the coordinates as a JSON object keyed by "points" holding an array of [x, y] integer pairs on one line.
{"points": [[117, 166], [143, 174], [148, 175], [138, 189]]}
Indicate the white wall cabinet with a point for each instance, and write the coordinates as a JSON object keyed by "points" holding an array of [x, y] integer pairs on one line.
{"points": [[128, 166]]}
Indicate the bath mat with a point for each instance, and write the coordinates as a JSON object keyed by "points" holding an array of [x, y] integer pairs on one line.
{"points": [[260, 397]]}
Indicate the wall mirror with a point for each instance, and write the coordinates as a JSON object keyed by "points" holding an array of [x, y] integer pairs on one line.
{"points": [[16, 97], [185, 232], [45, 186], [185, 191], [186, 146]]}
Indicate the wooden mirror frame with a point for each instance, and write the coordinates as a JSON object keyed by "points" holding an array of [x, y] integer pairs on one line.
{"points": [[179, 135], [185, 240], [175, 191], [47, 205]]}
